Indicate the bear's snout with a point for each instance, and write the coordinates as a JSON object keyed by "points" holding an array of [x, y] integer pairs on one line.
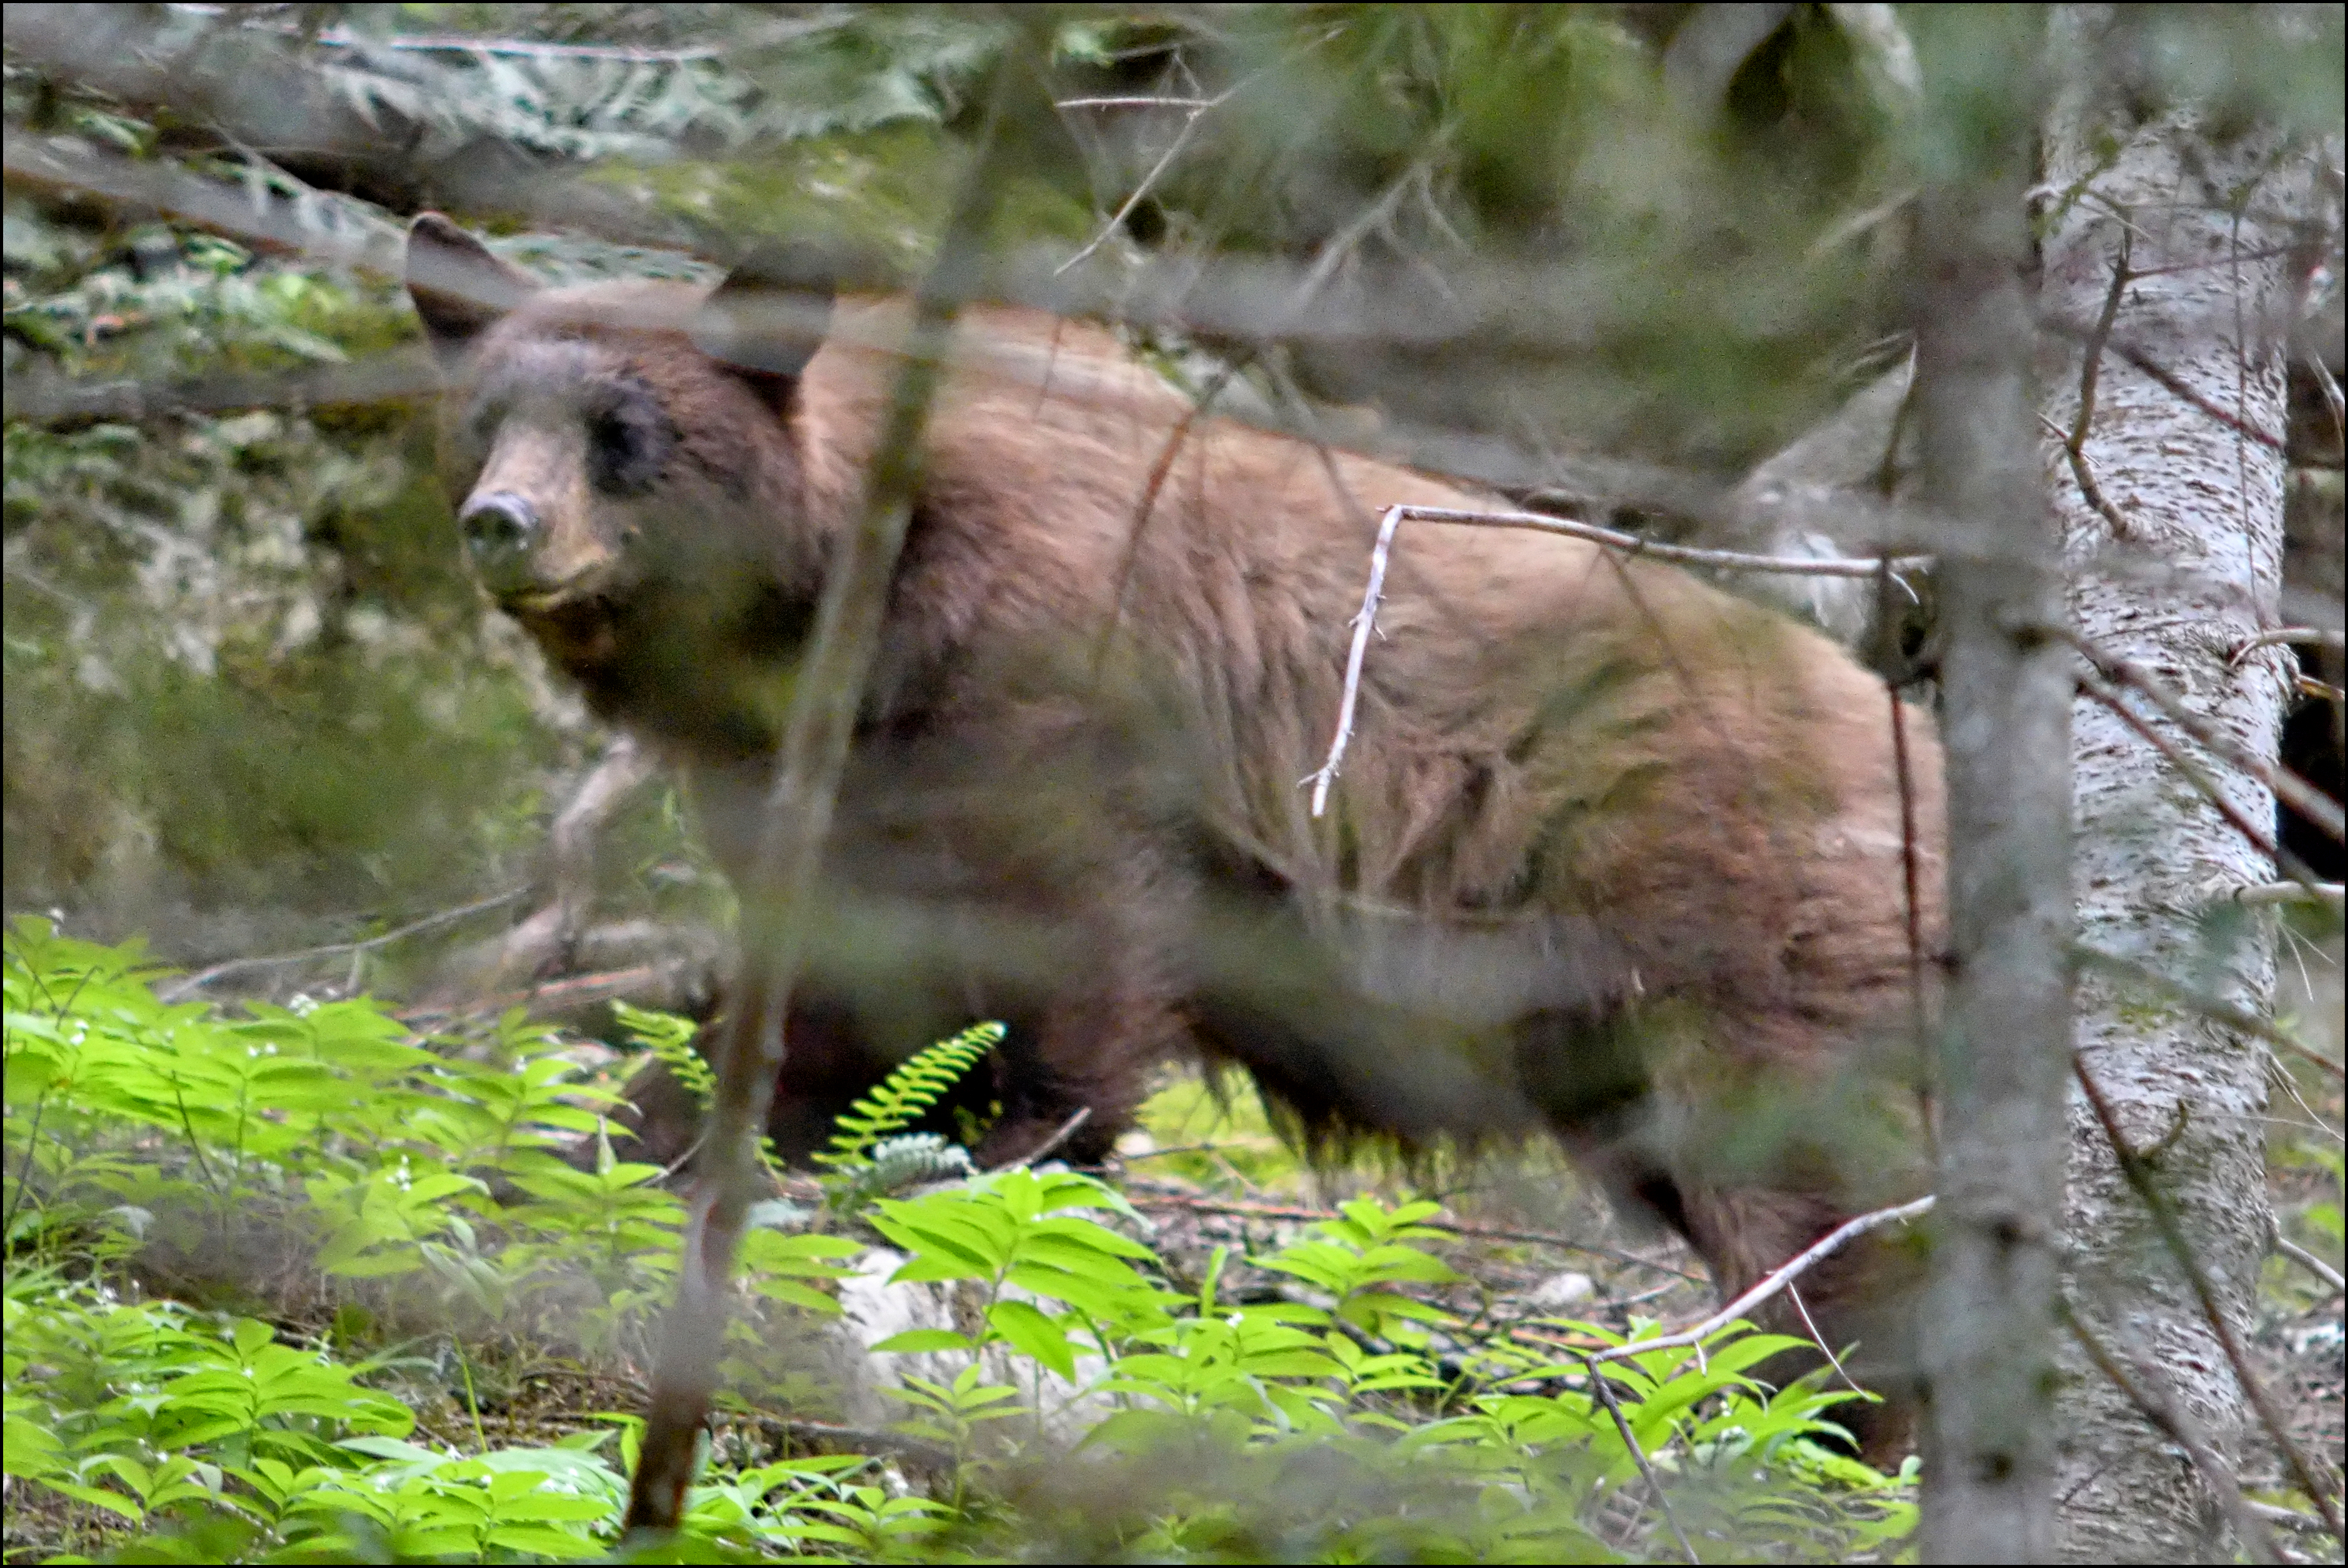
{"points": [[497, 527]]}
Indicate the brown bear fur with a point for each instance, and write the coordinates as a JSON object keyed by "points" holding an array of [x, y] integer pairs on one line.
{"points": [[1615, 856]]}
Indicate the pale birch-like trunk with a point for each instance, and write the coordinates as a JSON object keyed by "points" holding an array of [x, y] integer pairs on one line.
{"points": [[2173, 549]]}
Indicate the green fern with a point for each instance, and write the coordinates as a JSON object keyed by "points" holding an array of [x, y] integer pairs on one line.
{"points": [[902, 1161], [906, 1093], [670, 1038]]}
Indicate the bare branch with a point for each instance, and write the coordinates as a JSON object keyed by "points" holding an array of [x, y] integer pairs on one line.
{"points": [[1136, 103], [1363, 622], [2310, 1262], [1685, 555], [2289, 893], [181, 989], [777, 902], [1910, 871], [2287, 786], [1605, 1395], [2257, 837], [2150, 1394], [1322, 778], [1775, 1280], [2091, 360], [2172, 1234], [2140, 359], [1066, 1131], [2209, 1007], [1173, 150], [2321, 636]]}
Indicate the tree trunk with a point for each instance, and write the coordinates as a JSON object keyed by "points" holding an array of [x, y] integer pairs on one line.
{"points": [[1988, 1318], [2165, 286]]}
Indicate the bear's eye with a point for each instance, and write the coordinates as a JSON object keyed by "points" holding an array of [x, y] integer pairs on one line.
{"points": [[627, 446], [480, 425]]}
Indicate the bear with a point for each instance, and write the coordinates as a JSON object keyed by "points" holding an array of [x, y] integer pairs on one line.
{"points": [[1615, 857]]}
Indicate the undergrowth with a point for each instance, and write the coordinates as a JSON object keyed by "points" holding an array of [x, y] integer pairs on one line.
{"points": [[262, 1305]]}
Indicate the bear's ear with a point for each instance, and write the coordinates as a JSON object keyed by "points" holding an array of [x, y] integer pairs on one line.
{"points": [[767, 320], [459, 288]]}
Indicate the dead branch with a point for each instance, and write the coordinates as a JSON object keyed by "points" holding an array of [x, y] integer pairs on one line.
{"points": [[2172, 1234], [778, 899], [1136, 103], [2256, 836], [1910, 872], [2091, 357], [1477, 1233], [1613, 538], [2151, 1396], [181, 989], [2140, 359], [1773, 1282], [2260, 892], [1363, 622], [2321, 636], [1066, 1131], [1173, 150], [2310, 1262], [2214, 1007], [2287, 786], [1605, 1395]]}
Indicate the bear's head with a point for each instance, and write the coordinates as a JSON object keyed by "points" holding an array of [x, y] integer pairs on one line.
{"points": [[627, 481]]}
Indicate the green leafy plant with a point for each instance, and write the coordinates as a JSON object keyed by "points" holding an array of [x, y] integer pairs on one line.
{"points": [[670, 1038], [869, 1154], [1350, 1416]]}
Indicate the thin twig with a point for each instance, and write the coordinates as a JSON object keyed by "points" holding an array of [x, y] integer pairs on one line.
{"points": [[2333, 399], [2075, 444], [2321, 637], [777, 894], [1159, 472], [1136, 103], [1363, 622], [1632, 543], [2287, 786], [1340, 246], [1066, 1131], [1605, 1393], [1910, 872], [2172, 1234], [1476, 1232], [2138, 359], [2257, 837], [1793, 1294], [2153, 1399], [2214, 1007], [1173, 150], [1775, 1280], [203, 978], [2289, 893], [1686, 555], [2310, 1262]]}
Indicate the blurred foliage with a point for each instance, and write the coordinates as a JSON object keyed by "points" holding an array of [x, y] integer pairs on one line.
{"points": [[251, 699], [261, 1306], [245, 670]]}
